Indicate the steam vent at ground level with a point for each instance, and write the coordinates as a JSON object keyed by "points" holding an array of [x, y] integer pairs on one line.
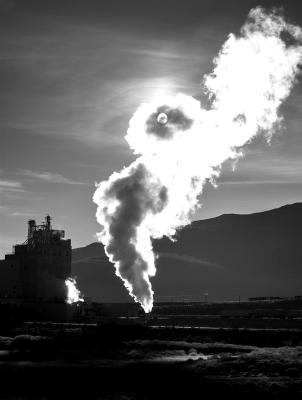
{"points": [[32, 278]]}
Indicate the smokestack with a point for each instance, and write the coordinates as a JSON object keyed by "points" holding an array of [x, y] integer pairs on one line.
{"points": [[181, 145], [48, 222], [31, 228]]}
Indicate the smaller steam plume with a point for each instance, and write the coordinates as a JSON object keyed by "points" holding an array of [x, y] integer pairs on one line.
{"points": [[73, 293], [180, 145]]}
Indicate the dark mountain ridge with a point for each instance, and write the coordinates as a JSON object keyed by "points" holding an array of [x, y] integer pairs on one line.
{"points": [[256, 254]]}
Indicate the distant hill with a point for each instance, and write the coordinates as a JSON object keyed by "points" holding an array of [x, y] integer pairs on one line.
{"points": [[248, 255]]}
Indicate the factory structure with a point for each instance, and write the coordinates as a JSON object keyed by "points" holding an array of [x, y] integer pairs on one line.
{"points": [[32, 278]]}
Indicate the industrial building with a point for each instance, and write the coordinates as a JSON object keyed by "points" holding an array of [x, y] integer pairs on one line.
{"points": [[32, 278]]}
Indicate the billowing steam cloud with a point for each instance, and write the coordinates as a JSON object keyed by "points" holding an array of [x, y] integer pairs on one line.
{"points": [[180, 144]]}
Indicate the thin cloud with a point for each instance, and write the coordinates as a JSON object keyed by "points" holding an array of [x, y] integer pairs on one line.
{"points": [[84, 81], [10, 186], [261, 182], [265, 171], [50, 177], [20, 214], [189, 259]]}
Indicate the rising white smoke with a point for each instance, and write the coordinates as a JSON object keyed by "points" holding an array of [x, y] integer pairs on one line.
{"points": [[180, 144], [73, 293]]}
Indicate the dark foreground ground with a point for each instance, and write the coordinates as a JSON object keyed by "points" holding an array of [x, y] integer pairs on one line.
{"points": [[113, 361]]}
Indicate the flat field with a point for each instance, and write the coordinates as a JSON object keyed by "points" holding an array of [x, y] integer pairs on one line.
{"points": [[136, 361]]}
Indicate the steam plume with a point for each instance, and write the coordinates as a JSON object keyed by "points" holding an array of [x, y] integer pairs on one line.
{"points": [[73, 293], [180, 145]]}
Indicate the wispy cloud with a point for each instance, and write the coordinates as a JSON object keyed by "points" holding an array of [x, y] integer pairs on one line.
{"points": [[189, 259], [21, 214], [264, 168], [87, 89], [50, 177], [261, 182], [10, 186]]}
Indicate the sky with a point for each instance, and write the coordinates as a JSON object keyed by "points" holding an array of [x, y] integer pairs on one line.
{"points": [[72, 73]]}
